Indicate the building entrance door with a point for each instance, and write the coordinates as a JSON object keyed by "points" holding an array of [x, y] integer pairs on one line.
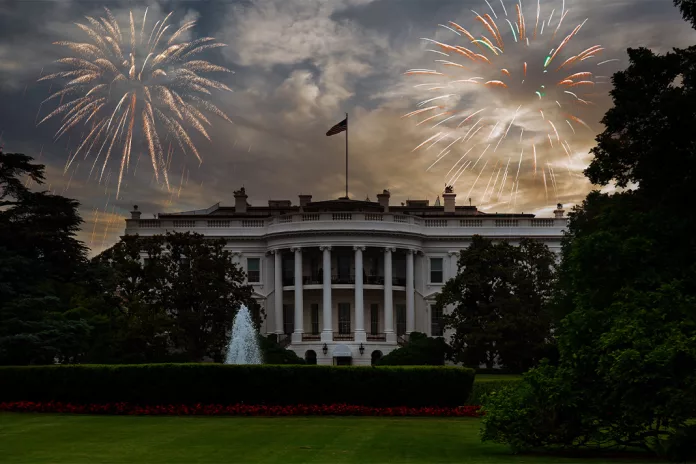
{"points": [[343, 361]]}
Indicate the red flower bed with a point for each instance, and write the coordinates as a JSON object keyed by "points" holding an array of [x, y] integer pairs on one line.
{"points": [[235, 410]]}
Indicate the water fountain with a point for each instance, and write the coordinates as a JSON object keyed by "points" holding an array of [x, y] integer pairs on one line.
{"points": [[244, 344]]}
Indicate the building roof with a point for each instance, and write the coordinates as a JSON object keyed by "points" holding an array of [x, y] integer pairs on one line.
{"points": [[421, 208]]}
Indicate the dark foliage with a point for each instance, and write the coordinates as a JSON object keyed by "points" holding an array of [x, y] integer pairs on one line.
{"points": [[499, 300], [224, 384], [420, 350], [273, 353], [178, 303], [42, 267], [626, 374]]}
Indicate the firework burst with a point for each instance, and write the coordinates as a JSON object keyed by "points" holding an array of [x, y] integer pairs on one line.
{"points": [[122, 85], [533, 82]]}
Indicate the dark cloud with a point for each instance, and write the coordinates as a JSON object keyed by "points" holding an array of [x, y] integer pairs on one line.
{"points": [[299, 66]]}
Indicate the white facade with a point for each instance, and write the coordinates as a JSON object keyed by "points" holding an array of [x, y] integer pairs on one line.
{"points": [[302, 262]]}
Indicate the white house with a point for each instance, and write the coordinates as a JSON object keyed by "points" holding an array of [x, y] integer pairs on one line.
{"points": [[345, 281]]}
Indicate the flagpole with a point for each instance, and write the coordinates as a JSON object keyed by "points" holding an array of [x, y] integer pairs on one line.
{"points": [[346, 156]]}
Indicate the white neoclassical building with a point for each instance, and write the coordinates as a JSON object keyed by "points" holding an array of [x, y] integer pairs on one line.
{"points": [[345, 281]]}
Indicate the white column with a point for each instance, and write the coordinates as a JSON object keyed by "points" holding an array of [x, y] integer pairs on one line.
{"points": [[327, 329], [278, 289], [359, 304], [410, 306], [299, 300], [388, 296]]}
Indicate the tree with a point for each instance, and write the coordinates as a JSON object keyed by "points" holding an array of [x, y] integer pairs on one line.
{"points": [[182, 298], [500, 301], [41, 262], [420, 350], [273, 353], [626, 375]]}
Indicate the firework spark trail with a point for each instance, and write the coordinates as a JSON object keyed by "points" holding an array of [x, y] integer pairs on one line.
{"points": [[488, 44], [118, 84], [477, 178]]}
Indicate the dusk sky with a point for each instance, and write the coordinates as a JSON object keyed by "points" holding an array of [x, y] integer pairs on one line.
{"points": [[300, 65]]}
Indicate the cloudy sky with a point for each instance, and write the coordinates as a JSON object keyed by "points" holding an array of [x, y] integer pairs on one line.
{"points": [[300, 65]]}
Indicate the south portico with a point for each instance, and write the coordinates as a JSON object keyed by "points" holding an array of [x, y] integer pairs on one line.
{"points": [[332, 292]]}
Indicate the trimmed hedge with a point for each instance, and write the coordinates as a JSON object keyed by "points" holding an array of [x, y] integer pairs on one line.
{"points": [[146, 384], [483, 387]]}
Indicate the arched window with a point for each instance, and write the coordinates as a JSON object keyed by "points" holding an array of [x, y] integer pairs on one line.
{"points": [[310, 357], [376, 356]]}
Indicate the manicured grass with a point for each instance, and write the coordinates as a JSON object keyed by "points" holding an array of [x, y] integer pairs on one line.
{"points": [[37, 438]]}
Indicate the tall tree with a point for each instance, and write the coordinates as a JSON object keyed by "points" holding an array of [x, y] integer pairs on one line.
{"points": [[499, 298], [627, 283], [181, 298], [40, 261]]}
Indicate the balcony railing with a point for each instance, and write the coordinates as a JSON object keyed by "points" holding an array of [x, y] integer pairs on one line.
{"points": [[310, 337], [376, 337], [431, 225], [343, 280], [339, 337]]}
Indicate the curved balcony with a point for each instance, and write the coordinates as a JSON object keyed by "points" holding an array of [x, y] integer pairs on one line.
{"points": [[343, 281], [368, 222]]}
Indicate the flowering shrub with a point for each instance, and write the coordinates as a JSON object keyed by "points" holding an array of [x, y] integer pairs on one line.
{"points": [[236, 409]]}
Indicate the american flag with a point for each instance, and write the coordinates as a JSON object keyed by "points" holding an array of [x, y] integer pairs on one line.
{"points": [[338, 128]]}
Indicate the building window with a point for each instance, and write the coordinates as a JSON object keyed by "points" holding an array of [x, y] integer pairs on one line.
{"points": [[288, 319], [374, 319], [400, 319], [288, 269], [436, 275], [436, 325], [344, 318], [254, 270], [343, 265], [314, 309]]}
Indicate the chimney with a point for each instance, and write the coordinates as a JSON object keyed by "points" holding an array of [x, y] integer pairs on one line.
{"points": [[559, 211], [383, 199], [135, 214], [305, 200], [449, 197], [240, 201]]}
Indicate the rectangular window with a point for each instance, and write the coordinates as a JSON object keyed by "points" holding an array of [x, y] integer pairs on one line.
{"points": [[288, 269], [374, 319], [344, 318], [343, 264], [400, 319], [315, 275], [436, 274], [288, 319], [314, 308], [254, 270], [436, 326]]}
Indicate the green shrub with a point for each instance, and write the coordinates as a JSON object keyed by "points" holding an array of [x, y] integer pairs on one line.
{"points": [[227, 384], [421, 350], [273, 353], [483, 387]]}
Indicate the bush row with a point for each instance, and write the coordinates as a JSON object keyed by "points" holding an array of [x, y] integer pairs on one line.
{"points": [[481, 388], [236, 409], [148, 384]]}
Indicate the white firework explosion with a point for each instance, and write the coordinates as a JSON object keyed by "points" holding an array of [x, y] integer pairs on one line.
{"points": [[122, 83]]}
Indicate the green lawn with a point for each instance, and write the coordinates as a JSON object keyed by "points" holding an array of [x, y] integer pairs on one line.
{"points": [[95, 439]]}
